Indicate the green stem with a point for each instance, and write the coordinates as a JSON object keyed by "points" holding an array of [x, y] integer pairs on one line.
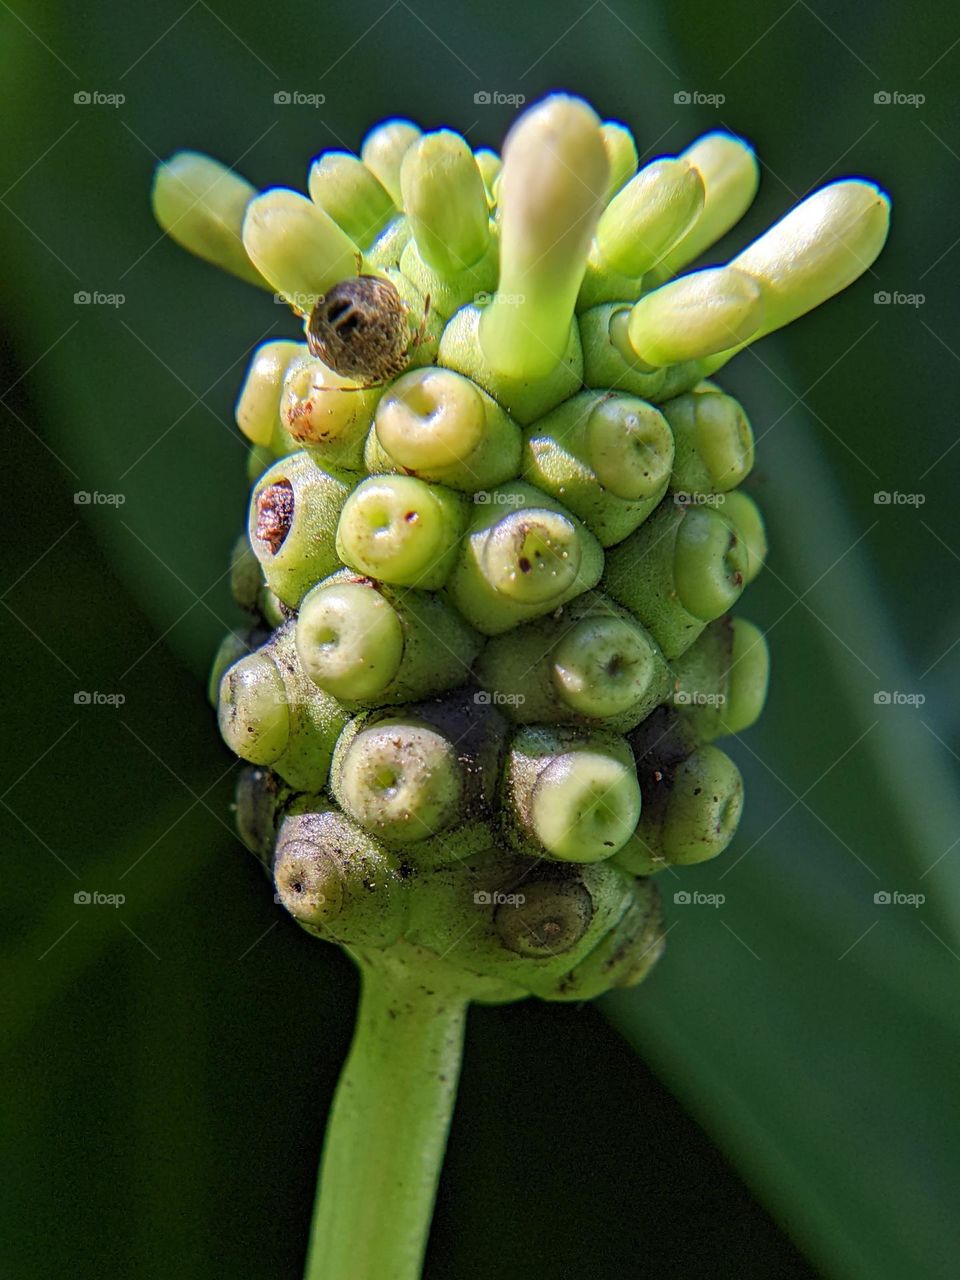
{"points": [[387, 1132]]}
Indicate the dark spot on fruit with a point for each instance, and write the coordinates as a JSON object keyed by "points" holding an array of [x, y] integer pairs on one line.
{"points": [[275, 514]]}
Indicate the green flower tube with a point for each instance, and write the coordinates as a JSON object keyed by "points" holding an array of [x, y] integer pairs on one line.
{"points": [[607, 457], [402, 531], [720, 683], [383, 150], [681, 569], [257, 411], [744, 514], [347, 190], [292, 524], [337, 881], [442, 427], [728, 168], [489, 164], [325, 414], [246, 578], [201, 204], [714, 442], [369, 645], [446, 202], [593, 665], [387, 250], [297, 247], [554, 179], [621, 149], [649, 216], [569, 794], [819, 248], [522, 555], [696, 316], [609, 362], [524, 397], [254, 714]]}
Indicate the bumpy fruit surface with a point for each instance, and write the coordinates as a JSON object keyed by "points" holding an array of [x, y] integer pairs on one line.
{"points": [[496, 531]]}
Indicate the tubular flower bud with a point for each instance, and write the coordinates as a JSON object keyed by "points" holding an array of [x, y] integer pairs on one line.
{"points": [[696, 316], [383, 150], [621, 151], [555, 177], [201, 204], [445, 200], [297, 247], [730, 175], [347, 190], [494, 538]]}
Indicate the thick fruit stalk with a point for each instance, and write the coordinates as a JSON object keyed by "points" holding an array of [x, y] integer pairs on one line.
{"points": [[495, 532]]}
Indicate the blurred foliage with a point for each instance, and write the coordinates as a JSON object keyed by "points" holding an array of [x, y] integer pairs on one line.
{"points": [[172, 1060]]}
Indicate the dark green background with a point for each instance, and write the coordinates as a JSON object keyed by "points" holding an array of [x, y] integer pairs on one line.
{"points": [[171, 1061]]}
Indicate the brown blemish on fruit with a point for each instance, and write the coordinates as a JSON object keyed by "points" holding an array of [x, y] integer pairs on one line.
{"points": [[275, 514]]}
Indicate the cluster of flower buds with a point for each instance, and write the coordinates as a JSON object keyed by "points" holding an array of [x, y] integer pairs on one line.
{"points": [[496, 530]]}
